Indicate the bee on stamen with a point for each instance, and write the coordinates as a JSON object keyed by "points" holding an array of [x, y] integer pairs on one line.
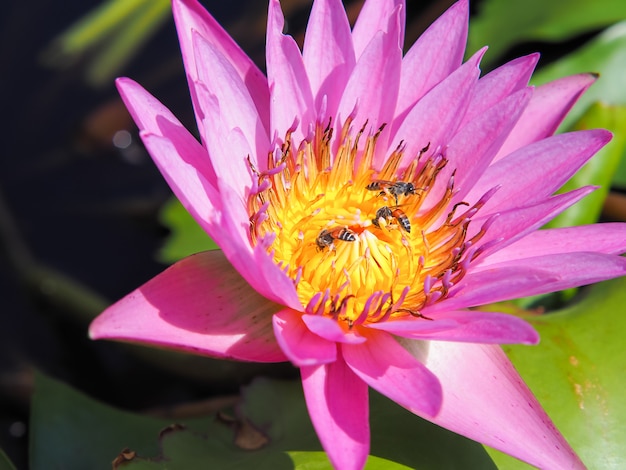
{"points": [[387, 213], [326, 237], [392, 188]]}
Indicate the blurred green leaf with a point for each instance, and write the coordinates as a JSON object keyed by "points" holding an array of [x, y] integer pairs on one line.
{"points": [[186, 237], [113, 32], [577, 373], [270, 430], [501, 24], [133, 33], [605, 55], [619, 180], [600, 170], [69, 430], [5, 463]]}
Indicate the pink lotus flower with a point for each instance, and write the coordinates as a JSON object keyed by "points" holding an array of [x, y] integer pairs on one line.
{"points": [[363, 202]]}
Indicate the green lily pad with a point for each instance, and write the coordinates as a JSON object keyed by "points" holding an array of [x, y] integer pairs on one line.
{"points": [[186, 236], [270, 429], [70, 430], [397, 435], [501, 23], [577, 373]]}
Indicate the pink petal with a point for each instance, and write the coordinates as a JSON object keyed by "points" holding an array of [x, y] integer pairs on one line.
{"points": [[329, 329], [550, 103], [374, 17], [469, 326], [151, 116], [373, 86], [513, 224], [328, 53], [221, 214], [190, 16], [607, 238], [435, 55], [302, 347], [180, 158], [531, 276], [500, 83], [196, 194], [266, 278], [199, 305], [338, 404], [388, 368], [290, 91], [474, 146], [224, 218], [485, 399], [235, 104], [539, 169], [220, 141], [436, 117]]}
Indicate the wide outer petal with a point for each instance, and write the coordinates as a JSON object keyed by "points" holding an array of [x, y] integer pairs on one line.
{"points": [[550, 103], [389, 369], [435, 55], [607, 238], [190, 16], [301, 346], [338, 404], [199, 305], [328, 53], [469, 326], [485, 399], [291, 99]]}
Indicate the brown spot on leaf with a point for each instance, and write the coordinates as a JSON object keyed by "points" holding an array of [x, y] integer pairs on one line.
{"points": [[126, 455], [247, 436]]}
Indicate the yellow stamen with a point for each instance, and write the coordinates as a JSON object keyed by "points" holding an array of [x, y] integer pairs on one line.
{"points": [[347, 262]]}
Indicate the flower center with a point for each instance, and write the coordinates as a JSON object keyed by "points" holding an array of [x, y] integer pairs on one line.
{"points": [[360, 245]]}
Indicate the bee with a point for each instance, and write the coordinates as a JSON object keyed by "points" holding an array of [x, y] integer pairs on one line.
{"points": [[396, 213], [327, 237], [393, 188]]}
